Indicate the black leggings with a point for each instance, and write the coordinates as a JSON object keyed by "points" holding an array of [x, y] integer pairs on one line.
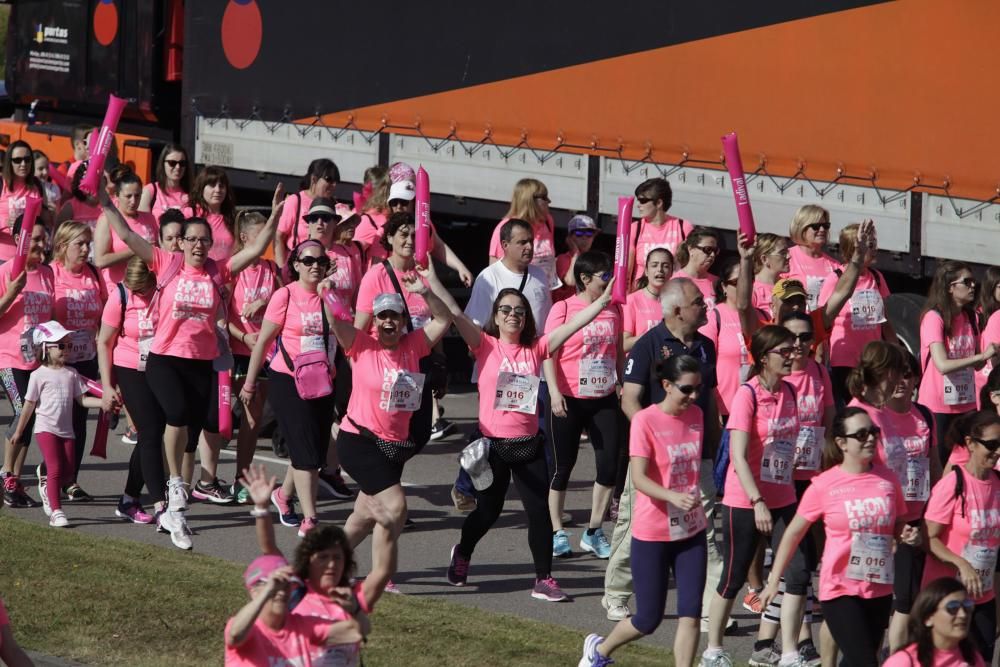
{"points": [[739, 544], [149, 423], [857, 625], [602, 419], [15, 383], [88, 370], [531, 479], [942, 421], [182, 387], [983, 629]]}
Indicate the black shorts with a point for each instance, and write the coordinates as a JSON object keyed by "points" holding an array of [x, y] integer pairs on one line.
{"points": [[304, 423], [366, 465]]}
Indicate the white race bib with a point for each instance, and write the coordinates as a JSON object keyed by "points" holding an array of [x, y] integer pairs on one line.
{"points": [[685, 524], [407, 391], [310, 344], [776, 464], [871, 558], [27, 344], [983, 560], [516, 393], [597, 377], [82, 346], [809, 447], [867, 310], [548, 265], [959, 387], [814, 285], [145, 345]]}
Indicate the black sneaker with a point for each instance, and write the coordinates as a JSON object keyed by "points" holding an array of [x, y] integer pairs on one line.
{"points": [[75, 493], [441, 428], [333, 483], [15, 496], [214, 492]]}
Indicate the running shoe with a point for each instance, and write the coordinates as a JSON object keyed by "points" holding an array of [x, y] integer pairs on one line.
{"points": [[765, 656], [286, 509], [177, 497], [132, 511], [130, 436], [809, 655], [617, 609], [722, 659], [390, 587], [15, 495], [213, 492], [458, 569], [752, 602], [75, 493], [409, 524], [548, 589], [463, 503], [240, 493], [172, 522], [307, 524], [46, 507], [333, 483], [596, 543], [591, 658], [58, 519], [441, 428], [560, 544]]}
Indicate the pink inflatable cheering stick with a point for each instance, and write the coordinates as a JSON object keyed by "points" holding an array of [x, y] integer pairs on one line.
{"points": [[339, 310], [100, 147], [225, 405], [60, 179], [32, 207], [422, 242], [731, 149], [620, 290]]}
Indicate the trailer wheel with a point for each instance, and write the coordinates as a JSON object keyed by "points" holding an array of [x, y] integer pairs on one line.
{"points": [[903, 310]]}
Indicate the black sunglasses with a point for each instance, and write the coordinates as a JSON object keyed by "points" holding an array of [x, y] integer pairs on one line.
{"points": [[173, 164], [20, 160], [708, 249], [991, 445], [952, 606], [319, 217], [862, 434], [804, 337], [61, 346], [643, 200], [309, 261], [817, 226], [687, 389], [506, 310]]}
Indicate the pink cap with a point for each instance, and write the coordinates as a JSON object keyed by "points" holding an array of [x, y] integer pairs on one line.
{"points": [[261, 568]]}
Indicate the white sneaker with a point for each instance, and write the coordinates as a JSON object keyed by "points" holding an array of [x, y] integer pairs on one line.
{"points": [[58, 519], [617, 610], [172, 521], [177, 497], [43, 494]]}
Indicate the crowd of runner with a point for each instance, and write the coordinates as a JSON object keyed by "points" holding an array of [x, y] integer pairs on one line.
{"points": [[759, 433]]}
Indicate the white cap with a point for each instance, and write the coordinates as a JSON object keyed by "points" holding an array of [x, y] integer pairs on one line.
{"points": [[402, 190], [388, 301], [49, 332]]}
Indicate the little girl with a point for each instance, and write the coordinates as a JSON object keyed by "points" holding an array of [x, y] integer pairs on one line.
{"points": [[52, 389]]}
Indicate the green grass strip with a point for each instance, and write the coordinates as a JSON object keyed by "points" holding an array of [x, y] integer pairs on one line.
{"points": [[103, 601]]}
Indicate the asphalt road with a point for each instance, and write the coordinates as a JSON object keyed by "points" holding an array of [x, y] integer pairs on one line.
{"points": [[501, 575]]}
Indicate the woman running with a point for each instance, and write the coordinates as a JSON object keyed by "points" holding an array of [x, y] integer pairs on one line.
{"points": [[938, 632], [171, 188], [110, 252], [770, 261], [320, 180], [19, 181], [654, 228], [808, 261], [695, 258], [212, 200], [668, 521], [530, 202], [642, 309]]}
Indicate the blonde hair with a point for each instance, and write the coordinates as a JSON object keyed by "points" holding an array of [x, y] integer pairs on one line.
{"points": [[807, 215], [378, 200], [848, 241], [523, 204], [66, 232], [766, 245], [138, 277], [244, 220]]}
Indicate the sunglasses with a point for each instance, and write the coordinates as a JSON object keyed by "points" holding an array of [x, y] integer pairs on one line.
{"points": [[386, 315], [687, 389], [398, 203], [198, 240], [61, 346], [309, 261], [506, 310], [862, 434], [643, 200], [20, 160], [606, 276], [584, 232], [325, 218], [173, 164], [991, 445], [819, 226], [708, 249], [952, 606], [804, 337], [968, 282], [783, 352]]}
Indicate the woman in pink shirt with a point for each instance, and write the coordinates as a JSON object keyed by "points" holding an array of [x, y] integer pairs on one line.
{"points": [[212, 200], [581, 230], [346, 256], [110, 251], [188, 302], [509, 355], [642, 310], [530, 202], [989, 321], [172, 184], [25, 301], [374, 208], [654, 228], [939, 633], [949, 347], [582, 384], [320, 180], [696, 256], [668, 521], [963, 524], [770, 261], [724, 329], [80, 296], [807, 259], [861, 505], [19, 181]]}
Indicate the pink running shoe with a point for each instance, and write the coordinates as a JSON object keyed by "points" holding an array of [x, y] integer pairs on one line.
{"points": [[392, 588], [548, 589], [132, 512], [307, 524]]}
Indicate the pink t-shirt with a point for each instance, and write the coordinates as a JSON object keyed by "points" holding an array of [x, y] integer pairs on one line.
{"points": [[642, 311], [143, 224], [346, 279], [859, 513], [971, 529], [377, 370], [812, 271], [859, 321], [544, 245], [587, 364], [164, 199], [761, 296], [907, 657], [256, 282], [186, 310], [32, 306], [79, 301], [54, 390], [377, 281], [12, 203], [288, 224], [814, 394], [85, 212], [296, 643], [990, 334], [222, 236], [956, 392], [773, 428], [672, 447], [906, 445], [508, 405], [318, 606], [298, 314], [562, 266], [706, 285], [669, 234], [724, 329], [370, 231], [138, 324]]}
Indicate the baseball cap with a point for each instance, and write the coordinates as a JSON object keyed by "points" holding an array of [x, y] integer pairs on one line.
{"points": [[786, 288], [581, 222], [261, 568], [322, 206], [49, 332], [388, 301], [400, 171], [402, 190]]}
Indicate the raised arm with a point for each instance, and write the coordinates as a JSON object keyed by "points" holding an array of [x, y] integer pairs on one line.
{"points": [[14, 287], [443, 253], [749, 321], [848, 280], [242, 623], [563, 333], [252, 251], [103, 257], [259, 485], [136, 243], [434, 293]]}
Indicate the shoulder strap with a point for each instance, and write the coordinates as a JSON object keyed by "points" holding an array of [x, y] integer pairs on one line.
{"points": [[718, 321], [925, 412], [399, 290], [361, 251], [94, 272], [681, 221], [124, 299], [959, 486], [524, 281], [635, 243], [791, 388], [156, 191], [170, 272], [295, 224], [284, 318]]}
